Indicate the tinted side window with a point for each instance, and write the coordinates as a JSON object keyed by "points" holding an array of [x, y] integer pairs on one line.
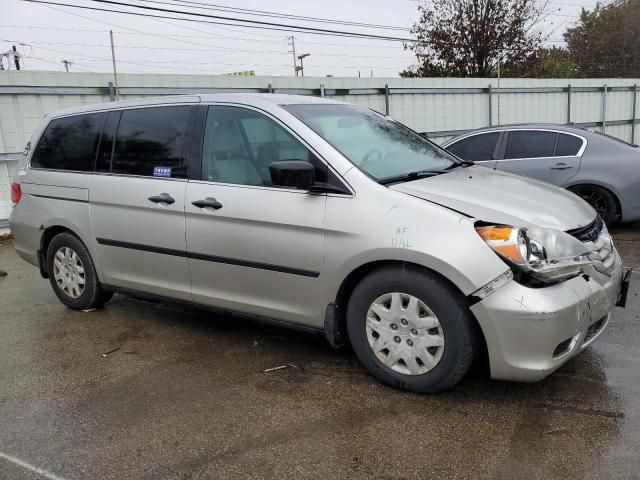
{"points": [[240, 145], [151, 142], [476, 148], [69, 143], [567, 145], [530, 144]]}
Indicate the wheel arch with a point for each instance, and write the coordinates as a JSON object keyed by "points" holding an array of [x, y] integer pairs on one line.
{"points": [[339, 333], [49, 234], [604, 186]]}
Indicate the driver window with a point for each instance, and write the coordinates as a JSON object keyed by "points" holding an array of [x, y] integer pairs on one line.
{"points": [[240, 145]]}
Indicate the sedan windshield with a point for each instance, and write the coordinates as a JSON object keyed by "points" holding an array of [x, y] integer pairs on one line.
{"points": [[384, 149]]}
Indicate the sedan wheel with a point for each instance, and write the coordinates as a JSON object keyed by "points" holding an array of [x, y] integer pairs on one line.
{"points": [[600, 199]]}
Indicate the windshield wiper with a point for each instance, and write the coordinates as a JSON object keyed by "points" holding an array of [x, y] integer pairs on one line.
{"points": [[408, 177], [460, 164]]}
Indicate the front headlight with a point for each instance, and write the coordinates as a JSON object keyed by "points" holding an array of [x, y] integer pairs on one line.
{"points": [[547, 254]]}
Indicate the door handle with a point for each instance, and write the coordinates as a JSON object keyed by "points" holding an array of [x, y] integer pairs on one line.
{"points": [[162, 198], [561, 166], [207, 202]]}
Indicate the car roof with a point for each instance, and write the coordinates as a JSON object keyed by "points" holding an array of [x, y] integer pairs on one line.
{"points": [[583, 132], [529, 126], [250, 99]]}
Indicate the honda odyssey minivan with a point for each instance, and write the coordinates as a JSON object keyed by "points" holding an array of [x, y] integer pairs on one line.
{"points": [[320, 215]]}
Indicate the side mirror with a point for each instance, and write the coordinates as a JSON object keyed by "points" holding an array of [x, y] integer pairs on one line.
{"points": [[292, 174]]}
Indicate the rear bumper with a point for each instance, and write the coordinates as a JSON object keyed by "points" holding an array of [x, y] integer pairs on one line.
{"points": [[530, 332]]}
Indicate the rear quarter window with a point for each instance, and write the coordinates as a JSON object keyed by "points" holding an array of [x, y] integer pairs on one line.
{"points": [[69, 143], [568, 145]]}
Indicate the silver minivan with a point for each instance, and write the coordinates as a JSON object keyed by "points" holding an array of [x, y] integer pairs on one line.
{"points": [[321, 215]]}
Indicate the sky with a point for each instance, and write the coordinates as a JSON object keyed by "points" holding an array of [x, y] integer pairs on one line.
{"points": [[47, 34]]}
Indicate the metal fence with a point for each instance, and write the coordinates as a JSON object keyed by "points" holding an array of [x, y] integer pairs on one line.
{"points": [[439, 108]]}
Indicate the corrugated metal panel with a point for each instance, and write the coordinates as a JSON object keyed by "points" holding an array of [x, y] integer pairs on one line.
{"points": [[449, 104]]}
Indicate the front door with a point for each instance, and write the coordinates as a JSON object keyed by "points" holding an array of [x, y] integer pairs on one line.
{"points": [[253, 247], [137, 201], [481, 148]]}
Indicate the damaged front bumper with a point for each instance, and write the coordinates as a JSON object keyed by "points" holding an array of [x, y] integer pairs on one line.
{"points": [[530, 332]]}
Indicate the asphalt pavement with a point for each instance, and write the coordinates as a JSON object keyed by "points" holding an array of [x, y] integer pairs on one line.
{"points": [[155, 391]]}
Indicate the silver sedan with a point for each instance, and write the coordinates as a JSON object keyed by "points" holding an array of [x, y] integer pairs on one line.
{"points": [[603, 170]]}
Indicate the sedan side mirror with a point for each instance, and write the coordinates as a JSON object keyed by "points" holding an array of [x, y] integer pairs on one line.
{"points": [[292, 174]]}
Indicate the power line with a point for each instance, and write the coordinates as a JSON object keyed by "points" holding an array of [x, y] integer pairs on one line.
{"points": [[213, 49], [141, 47], [263, 13], [176, 37], [218, 35], [250, 23], [56, 63], [147, 63]]}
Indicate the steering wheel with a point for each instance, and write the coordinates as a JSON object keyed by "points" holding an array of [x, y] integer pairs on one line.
{"points": [[372, 157]]}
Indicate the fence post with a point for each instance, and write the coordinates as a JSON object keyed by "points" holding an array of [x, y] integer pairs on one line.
{"points": [[270, 88], [633, 119], [321, 90], [569, 105], [490, 92], [386, 99], [112, 92], [604, 108]]}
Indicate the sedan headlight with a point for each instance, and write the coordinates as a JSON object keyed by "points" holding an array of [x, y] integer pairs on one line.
{"points": [[546, 254]]}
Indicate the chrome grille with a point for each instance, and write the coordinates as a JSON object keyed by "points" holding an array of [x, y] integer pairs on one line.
{"points": [[589, 233], [597, 239]]}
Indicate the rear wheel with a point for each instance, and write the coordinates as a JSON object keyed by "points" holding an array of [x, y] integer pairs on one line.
{"points": [[72, 274], [601, 199], [411, 329]]}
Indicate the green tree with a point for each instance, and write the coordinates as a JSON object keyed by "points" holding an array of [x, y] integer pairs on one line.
{"points": [[463, 38], [544, 63], [606, 40]]}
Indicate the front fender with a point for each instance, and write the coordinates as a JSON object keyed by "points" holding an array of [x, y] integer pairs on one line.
{"points": [[414, 231]]}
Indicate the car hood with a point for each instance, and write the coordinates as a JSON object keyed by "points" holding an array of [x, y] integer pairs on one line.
{"points": [[500, 197]]}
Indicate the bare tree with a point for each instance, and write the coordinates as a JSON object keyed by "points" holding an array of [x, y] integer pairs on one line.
{"points": [[465, 38]]}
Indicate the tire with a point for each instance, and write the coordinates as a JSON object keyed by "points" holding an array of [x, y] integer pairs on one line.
{"points": [[69, 265], [601, 199], [440, 366]]}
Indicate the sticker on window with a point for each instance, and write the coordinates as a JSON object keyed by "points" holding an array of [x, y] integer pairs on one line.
{"points": [[161, 171]]}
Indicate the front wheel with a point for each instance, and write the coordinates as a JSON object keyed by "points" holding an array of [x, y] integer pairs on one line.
{"points": [[72, 274], [411, 329]]}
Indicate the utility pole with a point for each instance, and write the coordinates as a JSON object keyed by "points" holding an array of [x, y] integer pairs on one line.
{"points": [[113, 60], [66, 64], [293, 50], [301, 67], [16, 57], [498, 99]]}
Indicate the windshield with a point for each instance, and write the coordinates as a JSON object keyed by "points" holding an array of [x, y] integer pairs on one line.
{"points": [[379, 146]]}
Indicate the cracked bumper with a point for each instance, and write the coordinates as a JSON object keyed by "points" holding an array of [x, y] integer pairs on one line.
{"points": [[530, 332]]}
